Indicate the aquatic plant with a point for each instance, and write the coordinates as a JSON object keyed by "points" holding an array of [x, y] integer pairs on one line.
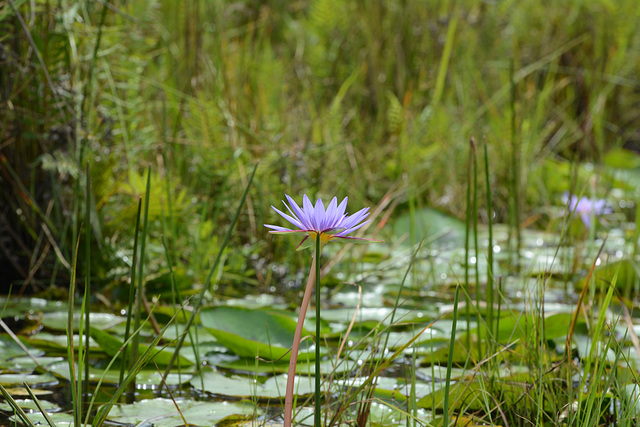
{"points": [[322, 225], [586, 207], [330, 223]]}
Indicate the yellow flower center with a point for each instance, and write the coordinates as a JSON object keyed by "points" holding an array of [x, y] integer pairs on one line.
{"points": [[324, 238]]}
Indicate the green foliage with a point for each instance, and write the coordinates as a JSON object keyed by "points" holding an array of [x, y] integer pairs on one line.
{"points": [[113, 347], [385, 93], [372, 100], [248, 333]]}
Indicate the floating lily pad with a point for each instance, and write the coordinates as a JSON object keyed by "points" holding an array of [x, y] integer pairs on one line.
{"points": [[161, 412], [249, 387], [34, 379], [625, 271], [9, 348], [204, 336], [384, 413], [436, 224], [59, 320], [20, 391], [61, 369], [148, 377], [17, 307], [113, 346], [57, 342], [29, 404], [251, 333], [304, 366], [60, 419], [370, 317], [27, 364]]}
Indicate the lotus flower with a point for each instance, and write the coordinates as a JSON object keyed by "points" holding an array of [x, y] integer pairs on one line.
{"points": [[585, 207], [329, 224]]}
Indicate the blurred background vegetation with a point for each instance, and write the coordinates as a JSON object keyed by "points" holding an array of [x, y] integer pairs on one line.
{"points": [[375, 100]]}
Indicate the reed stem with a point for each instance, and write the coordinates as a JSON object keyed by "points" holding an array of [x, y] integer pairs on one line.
{"points": [[288, 399]]}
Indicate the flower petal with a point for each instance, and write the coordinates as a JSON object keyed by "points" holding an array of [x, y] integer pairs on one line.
{"points": [[297, 211], [355, 218], [330, 214], [307, 208], [291, 232], [352, 229], [291, 219], [278, 228], [319, 214], [341, 210], [327, 223]]}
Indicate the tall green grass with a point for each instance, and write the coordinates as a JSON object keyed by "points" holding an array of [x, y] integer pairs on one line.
{"points": [[386, 93]]}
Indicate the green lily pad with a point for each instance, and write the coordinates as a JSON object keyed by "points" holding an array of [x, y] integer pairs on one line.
{"points": [[626, 270], [251, 333], [57, 343], [61, 370], [34, 379], [27, 364], [149, 377], [161, 412], [249, 387], [113, 346], [304, 366], [9, 348], [58, 320], [60, 419], [436, 224], [29, 404]]}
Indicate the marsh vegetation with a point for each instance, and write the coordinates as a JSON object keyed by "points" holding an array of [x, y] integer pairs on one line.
{"points": [[143, 145]]}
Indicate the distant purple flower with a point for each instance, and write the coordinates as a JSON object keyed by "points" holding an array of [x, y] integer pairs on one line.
{"points": [[585, 207], [330, 223]]}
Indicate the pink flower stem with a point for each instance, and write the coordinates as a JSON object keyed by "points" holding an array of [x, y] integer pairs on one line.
{"points": [[293, 361]]}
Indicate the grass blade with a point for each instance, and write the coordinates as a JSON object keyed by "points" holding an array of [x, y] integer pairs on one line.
{"points": [[44, 413], [214, 267], [18, 410], [452, 341]]}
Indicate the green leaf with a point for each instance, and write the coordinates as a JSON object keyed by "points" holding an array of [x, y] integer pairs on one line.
{"points": [[247, 387], [464, 392], [627, 271], [438, 224], [113, 346], [162, 412], [251, 333], [33, 379]]}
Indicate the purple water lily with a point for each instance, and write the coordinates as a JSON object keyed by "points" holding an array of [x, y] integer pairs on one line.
{"points": [[585, 207], [330, 223]]}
